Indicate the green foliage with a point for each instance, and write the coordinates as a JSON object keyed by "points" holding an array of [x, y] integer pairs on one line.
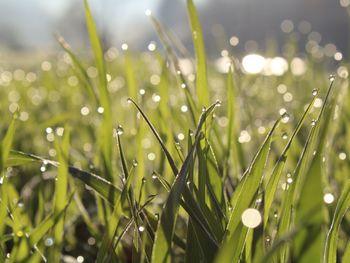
{"points": [[171, 185]]}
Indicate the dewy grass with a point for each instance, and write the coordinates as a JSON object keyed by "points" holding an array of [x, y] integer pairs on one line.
{"points": [[170, 185]]}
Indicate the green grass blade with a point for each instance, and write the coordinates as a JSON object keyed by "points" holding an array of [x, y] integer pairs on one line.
{"points": [[113, 222], [38, 233], [241, 200], [106, 127], [102, 186], [330, 247], [275, 177], [201, 64], [166, 226], [61, 191], [6, 143], [83, 76], [231, 131]]}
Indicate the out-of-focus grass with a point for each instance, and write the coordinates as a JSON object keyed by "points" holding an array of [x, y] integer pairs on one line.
{"points": [[164, 176]]}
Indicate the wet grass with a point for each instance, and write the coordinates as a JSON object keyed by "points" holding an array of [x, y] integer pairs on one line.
{"points": [[127, 157]]}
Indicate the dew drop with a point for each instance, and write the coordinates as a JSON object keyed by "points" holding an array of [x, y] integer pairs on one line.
{"points": [[313, 123], [49, 242], [285, 136], [156, 215], [1, 180], [120, 130], [314, 92], [218, 103], [154, 176], [141, 228], [331, 78], [100, 110], [328, 198], [275, 215], [130, 101], [285, 117], [342, 156], [289, 180], [251, 218], [188, 182], [43, 168], [134, 163], [143, 180], [183, 85]]}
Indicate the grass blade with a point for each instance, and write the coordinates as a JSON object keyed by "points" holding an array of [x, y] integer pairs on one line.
{"points": [[330, 247], [61, 189], [106, 127], [166, 226], [247, 188], [201, 64], [275, 177]]}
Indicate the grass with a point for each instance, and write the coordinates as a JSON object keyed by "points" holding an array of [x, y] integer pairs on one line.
{"points": [[124, 157]]}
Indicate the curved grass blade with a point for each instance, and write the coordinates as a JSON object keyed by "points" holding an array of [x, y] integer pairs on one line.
{"points": [[287, 218], [304, 223], [103, 187], [6, 143], [241, 200], [330, 247], [275, 177], [80, 69], [111, 228], [190, 204], [166, 226], [106, 127], [36, 235], [311, 194], [166, 43], [197, 36]]}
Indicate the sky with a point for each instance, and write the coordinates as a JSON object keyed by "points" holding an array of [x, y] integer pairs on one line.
{"points": [[30, 24]]}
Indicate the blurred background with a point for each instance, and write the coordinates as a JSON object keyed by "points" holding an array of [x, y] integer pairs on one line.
{"points": [[319, 27]]}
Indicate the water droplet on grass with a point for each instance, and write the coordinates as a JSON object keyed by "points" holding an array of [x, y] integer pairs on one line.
{"points": [[43, 168], [251, 218], [328, 198], [285, 117], [49, 242], [285, 136], [331, 78], [141, 228], [314, 92], [120, 130], [100, 110], [144, 180], [134, 163], [154, 176], [313, 123]]}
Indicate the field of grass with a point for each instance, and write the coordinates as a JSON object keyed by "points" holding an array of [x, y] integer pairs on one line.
{"points": [[128, 157]]}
